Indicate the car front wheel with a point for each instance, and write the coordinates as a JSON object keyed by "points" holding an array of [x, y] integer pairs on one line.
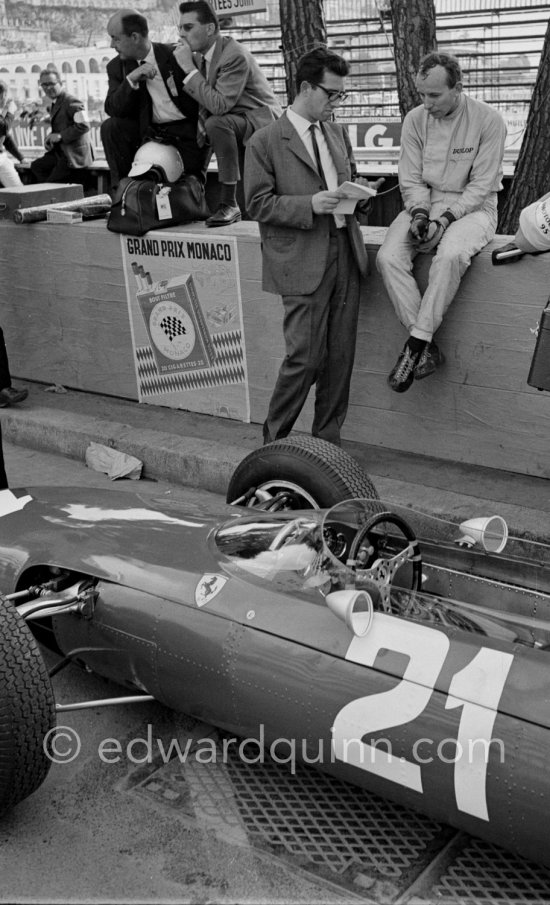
{"points": [[298, 473], [27, 710]]}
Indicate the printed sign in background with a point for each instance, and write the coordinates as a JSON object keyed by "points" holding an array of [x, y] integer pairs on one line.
{"points": [[237, 7], [384, 133], [184, 303]]}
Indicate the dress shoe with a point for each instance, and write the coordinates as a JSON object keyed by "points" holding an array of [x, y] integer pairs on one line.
{"points": [[225, 215], [431, 358], [11, 396]]}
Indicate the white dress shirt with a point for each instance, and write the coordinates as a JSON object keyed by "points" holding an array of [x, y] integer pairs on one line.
{"points": [[164, 108], [302, 127]]}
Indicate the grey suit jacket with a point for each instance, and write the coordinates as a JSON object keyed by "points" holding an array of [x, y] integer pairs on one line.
{"points": [[280, 179], [235, 84]]}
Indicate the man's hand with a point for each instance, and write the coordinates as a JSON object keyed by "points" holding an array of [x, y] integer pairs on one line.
{"points": [[419, 227], [364, 207], [184, 57], [52, 139], [142, 73], [432, 236], [325, 202], [361, 180]]}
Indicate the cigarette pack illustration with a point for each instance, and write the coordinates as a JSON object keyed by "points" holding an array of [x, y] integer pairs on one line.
{"points": [[173, 317]]}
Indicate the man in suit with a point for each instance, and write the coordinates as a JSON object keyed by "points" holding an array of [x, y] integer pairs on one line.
{"points": [[145, 99], [68, 145], [312, 257], [234, 95]]}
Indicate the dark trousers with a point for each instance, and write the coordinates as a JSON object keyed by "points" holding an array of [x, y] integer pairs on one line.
{"points": [[120, 138], [320, 332], [5, 378], [226, 134], [53, 166], [3, 478]]}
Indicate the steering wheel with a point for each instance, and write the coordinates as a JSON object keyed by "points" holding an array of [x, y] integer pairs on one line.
{"points": [[364, 556], [293, 527]]}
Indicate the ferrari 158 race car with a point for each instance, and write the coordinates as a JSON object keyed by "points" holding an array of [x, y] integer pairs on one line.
{"points": [[401, 652]]}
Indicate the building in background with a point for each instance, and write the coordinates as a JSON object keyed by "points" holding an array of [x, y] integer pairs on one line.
{"points": [[498, 44]]}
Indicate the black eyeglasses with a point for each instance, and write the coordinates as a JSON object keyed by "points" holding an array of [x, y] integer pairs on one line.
{"points": [[331, 93]]}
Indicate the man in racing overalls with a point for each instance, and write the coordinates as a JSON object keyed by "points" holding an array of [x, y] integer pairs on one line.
{"points": [[450, 170]]}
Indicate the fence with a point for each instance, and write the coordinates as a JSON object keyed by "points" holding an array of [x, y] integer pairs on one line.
{"points": [[499, 47]]}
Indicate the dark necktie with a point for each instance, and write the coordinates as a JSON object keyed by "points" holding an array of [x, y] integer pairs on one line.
{"points": [[203, 112], [313, 129], [142, 84]]}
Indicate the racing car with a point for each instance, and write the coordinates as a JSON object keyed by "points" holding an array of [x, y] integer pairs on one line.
{"points": [[405, 653]]}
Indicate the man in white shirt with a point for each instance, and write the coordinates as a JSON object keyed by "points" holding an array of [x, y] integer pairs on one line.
{"points": [[450, 170], [311, 257], [145, 100]]}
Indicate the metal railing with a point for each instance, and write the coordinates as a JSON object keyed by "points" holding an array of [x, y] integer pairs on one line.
{"points": [[499, 50]]}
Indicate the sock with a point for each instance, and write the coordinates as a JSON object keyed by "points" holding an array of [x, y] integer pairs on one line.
{"points": [[416, 345], [229, 194]]}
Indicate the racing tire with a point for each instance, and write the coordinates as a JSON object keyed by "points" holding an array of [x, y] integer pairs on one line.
{"points": [[27, 710], [317, 473]]}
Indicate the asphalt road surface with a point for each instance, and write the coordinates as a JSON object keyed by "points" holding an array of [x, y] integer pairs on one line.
{"points": [[118, 820]]}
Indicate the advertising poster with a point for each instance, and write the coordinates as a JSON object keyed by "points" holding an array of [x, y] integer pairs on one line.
{"points": [[184, 303]]}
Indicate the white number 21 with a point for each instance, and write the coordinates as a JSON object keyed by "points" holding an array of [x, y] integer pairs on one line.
{"points": [[477, 689]]}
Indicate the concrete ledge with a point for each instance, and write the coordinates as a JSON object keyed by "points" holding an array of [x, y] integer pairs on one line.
{"points": [[192, 461], [66, 321]]}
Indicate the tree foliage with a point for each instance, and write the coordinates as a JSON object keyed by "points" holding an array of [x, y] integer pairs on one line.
{"points": [[303, 27], [413, 28], [532, 172]]}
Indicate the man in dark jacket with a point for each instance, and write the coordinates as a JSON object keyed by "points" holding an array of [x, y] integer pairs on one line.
{"points": [[68, 145], [145, 100]]}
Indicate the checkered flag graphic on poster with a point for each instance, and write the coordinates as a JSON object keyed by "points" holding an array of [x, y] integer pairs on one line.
{"points": [[173, 327]]}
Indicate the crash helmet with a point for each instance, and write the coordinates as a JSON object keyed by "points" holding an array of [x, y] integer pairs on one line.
{"points": [[534, 226], [163, 160]]}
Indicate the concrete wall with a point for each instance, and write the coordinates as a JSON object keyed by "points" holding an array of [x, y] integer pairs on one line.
{"points": [[66, 321]]}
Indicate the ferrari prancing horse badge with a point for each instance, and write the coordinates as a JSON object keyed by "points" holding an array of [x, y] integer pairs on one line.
{"points": [[208, 587]]}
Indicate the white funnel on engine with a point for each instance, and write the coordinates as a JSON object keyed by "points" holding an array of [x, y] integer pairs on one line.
{"points": [[354, 608], [491, 533]]}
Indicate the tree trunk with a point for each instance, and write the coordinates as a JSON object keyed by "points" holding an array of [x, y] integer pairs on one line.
{"points": [[302, 29], [531, 175], [413, 28]]}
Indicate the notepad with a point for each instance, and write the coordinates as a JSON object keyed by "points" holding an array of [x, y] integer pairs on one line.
{"points": [[354, 192]]}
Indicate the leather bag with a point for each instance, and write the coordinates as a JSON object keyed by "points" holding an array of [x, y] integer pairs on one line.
{"points": [[143, 204]]}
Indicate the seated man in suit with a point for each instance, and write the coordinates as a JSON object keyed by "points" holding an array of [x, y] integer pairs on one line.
{"points": [[145, 99], [68, 145], [234, 95]]}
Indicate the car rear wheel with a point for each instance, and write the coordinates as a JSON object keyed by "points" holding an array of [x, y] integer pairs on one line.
{"points": [[301, 473], [27, 710]]}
